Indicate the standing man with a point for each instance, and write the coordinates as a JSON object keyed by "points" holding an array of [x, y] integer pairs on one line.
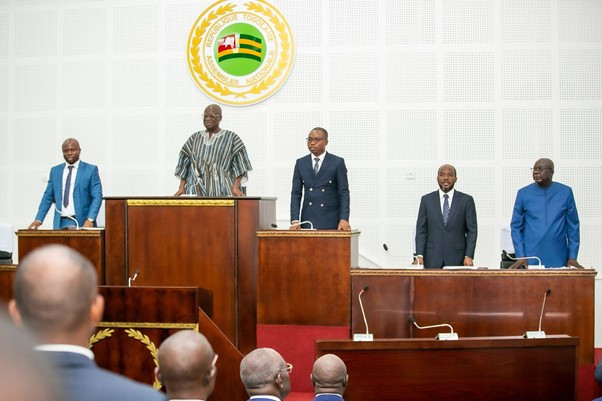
{"points": [[56, 297], [213, 162], [446, 229], [545, 222], [75, 189], [321, 178], [187, 366], [329, 378], [265, 375]]}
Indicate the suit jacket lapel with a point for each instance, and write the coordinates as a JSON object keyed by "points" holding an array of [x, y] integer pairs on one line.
{"points": [[454, 206], [79, 175], [324, 166]]}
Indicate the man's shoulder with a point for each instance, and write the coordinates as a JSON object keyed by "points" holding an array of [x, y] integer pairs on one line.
{"points": [[334, 157], [431, 195], [461, 195]]}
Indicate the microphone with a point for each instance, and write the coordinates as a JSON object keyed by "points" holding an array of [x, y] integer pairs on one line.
{"points": [[415, 258], [131, 279], [539, 333], [441, 336], [299, 223], [367, 336], [540, 266], [69, 217]]}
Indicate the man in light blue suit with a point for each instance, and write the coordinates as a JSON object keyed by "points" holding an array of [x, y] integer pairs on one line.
{"points": [[56, 297], [321, 178], [75, 188]]}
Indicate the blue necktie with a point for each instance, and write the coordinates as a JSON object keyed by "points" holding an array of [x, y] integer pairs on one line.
{"points": [[317, 165], [445, 208], [67, 188]]}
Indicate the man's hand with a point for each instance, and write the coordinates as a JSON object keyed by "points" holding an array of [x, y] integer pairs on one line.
{"points": [[236, 191], [179, 192], [88, 224], [295, 225], [468, 261], [418, 260], [518, 264], [344, 226], [34, 225], [574, 263]]}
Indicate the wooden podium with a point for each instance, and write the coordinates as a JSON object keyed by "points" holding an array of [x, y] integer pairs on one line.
{"points": [[486, 368], [90, 243], [191, 241], [127, 339]]}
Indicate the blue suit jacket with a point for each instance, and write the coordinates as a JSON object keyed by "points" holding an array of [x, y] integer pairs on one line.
{"points": [[83, 380], [87, 194], [325, 196], [446, 245], [328, 397]]}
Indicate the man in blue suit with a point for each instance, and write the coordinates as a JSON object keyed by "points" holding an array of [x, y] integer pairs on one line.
{"points": [[56, 297], [329, 378], [75, 188], [446, 229], [265, 375], [321, 178]]}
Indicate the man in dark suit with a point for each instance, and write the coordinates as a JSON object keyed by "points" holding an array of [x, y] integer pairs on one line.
{"points": [[446, 229], [56, 298], [265, 375], [329, 378], [321, 178], [75, 188], [187, 366]]}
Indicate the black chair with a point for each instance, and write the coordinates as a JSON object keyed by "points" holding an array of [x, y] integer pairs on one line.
{"points": [[6, 258]]}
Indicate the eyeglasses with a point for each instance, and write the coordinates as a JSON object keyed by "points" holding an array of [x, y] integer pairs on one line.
{"points": [[211, 115], [289, 367], [539, 169], [312, 140], [214, 362]]}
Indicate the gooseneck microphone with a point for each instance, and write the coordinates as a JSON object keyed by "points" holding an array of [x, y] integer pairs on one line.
{"points": [[67, 217], [441, 336], [540, 266], [367, 336], [539, 333], [299, 223], [414, 257], [132, 279]]}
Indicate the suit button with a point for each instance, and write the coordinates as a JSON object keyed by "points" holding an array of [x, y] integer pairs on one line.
{"points": [[322, 189], [309, 203], [321, 205], [311, 189], [330, 182]]}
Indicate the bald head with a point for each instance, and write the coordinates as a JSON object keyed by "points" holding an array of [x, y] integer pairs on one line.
{"points": [[186, 366], [329, 375], [54, 290], [263, 372], [71, 141]]}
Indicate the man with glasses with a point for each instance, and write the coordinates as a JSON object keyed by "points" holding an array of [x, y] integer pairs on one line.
{"points": [[265, 375], [187, 366], [329, 378], [213, 162], [321, 178], [545, 222]]}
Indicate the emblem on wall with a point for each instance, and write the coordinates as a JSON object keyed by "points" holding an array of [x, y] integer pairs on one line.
{"points": [[240, 52]]}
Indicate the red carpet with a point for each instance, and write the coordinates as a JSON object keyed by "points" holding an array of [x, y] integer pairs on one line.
{"points": [[296, 345]]}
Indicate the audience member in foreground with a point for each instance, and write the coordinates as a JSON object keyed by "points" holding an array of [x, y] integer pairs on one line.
{"points": [[329, 378], [265, 375]]}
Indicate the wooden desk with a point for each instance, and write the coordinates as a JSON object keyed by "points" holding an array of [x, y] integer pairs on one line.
{"points": [[477, 303], [191, 241], [90, 243], [486, 368], [7, 276]]}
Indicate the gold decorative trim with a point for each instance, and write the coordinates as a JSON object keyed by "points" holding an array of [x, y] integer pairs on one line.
{"points": [[100, 335], [149, 325], [180, 202], [308, 233], [480, 272], [8, 268], [149, 346], [59, 233]]}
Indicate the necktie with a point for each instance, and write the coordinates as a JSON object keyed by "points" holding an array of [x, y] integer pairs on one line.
{"points": [[445, 208], [317, 165], [67, 187]]}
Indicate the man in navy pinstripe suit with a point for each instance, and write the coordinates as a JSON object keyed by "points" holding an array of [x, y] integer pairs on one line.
{"points": [[321, 178]]}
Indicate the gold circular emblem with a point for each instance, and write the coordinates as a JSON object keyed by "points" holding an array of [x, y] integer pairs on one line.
{"points": [[240, 53]]}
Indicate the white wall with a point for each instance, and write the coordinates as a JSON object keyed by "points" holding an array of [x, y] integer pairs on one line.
{"points": [[402, 86]]}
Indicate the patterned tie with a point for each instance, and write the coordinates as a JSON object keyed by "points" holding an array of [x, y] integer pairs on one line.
{"points": [[445, 208], [317, 165], [67, 187]]}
